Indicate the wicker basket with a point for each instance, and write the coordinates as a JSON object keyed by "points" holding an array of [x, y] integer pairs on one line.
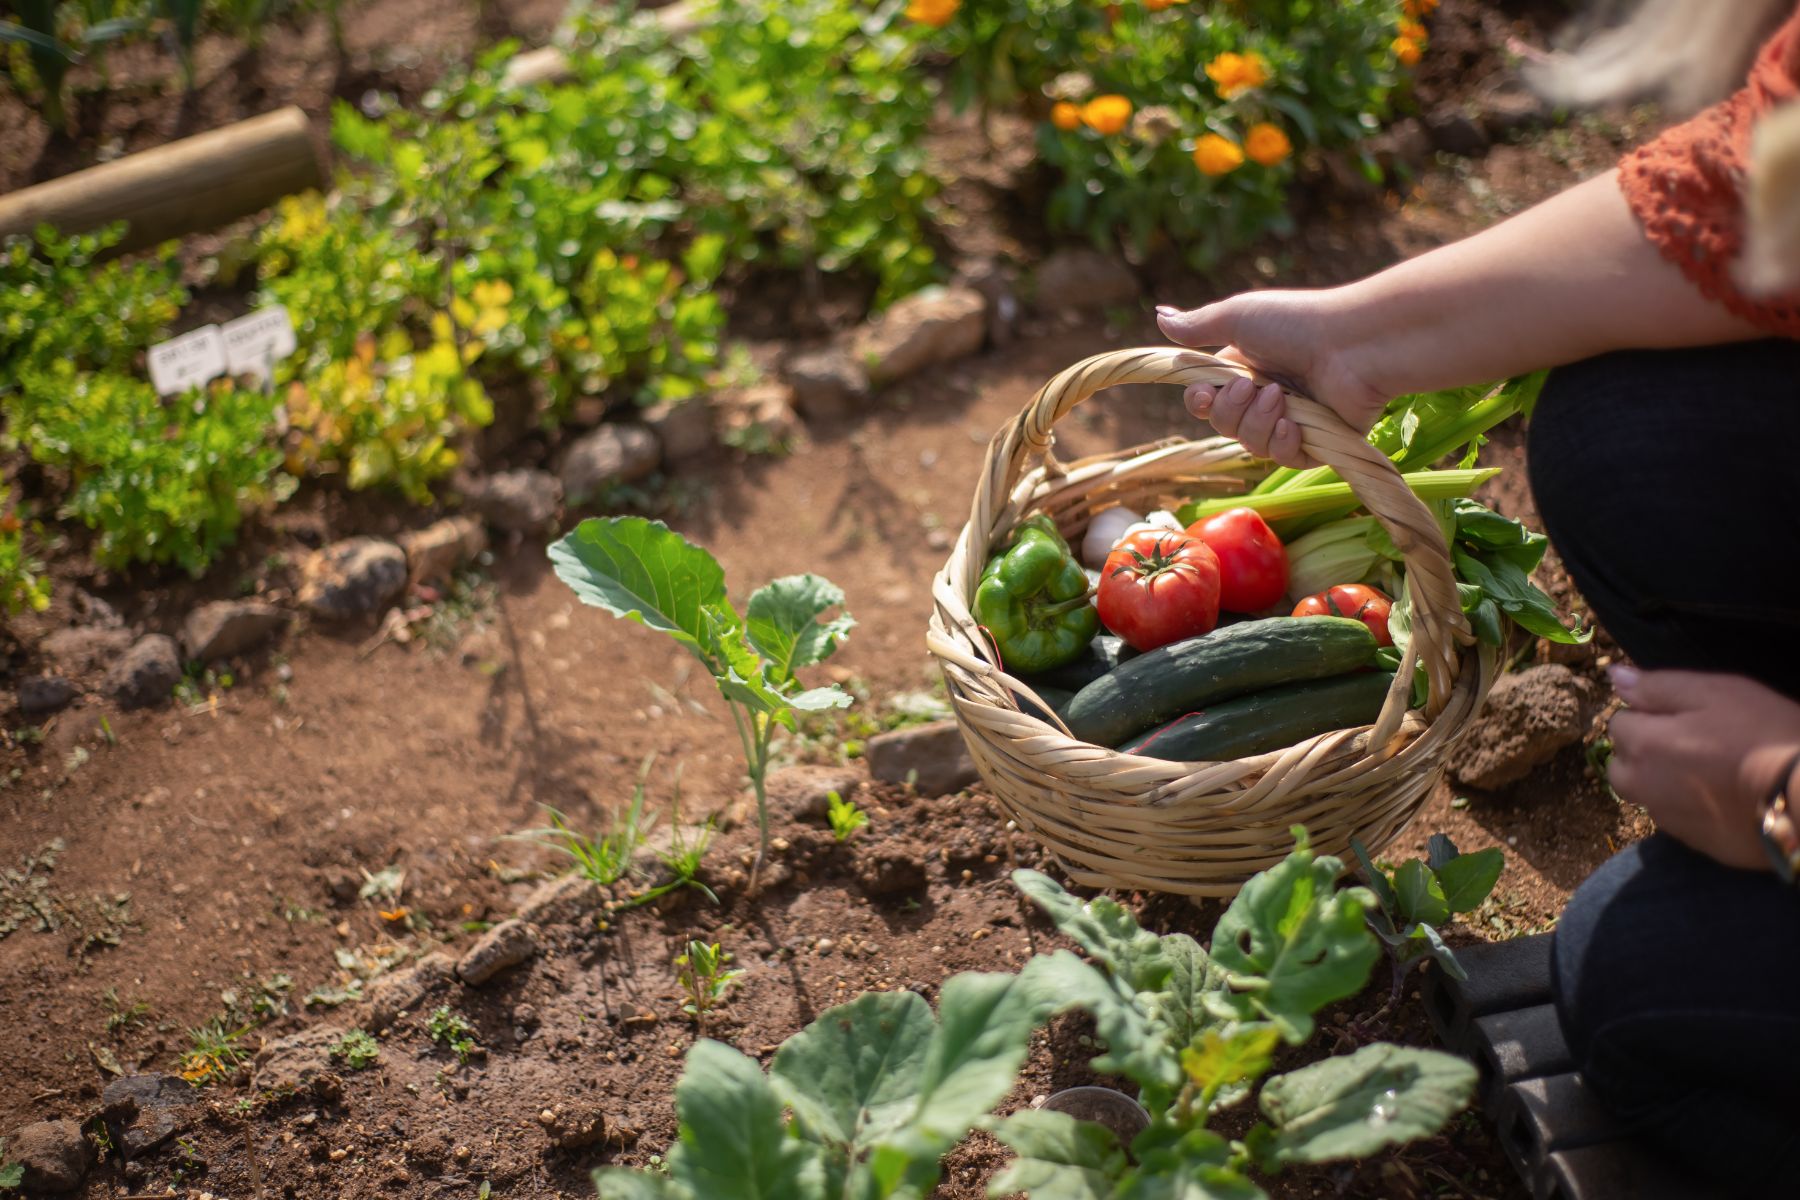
{"points": [[1199, 829]]}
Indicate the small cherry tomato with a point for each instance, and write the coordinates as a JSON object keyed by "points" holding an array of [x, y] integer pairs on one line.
{"points": [[1253, 564], [1351, 600], [1159, 587]]}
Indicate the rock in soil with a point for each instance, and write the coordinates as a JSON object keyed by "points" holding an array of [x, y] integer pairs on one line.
{"points": [[300, 1062], [565, 901], [1528, 718], [933, 758], [611, 455], [54, 1154], [433, 552], [827, 383], [352, 578], [501, 948], [146, 673], [760, 418], [573, 1124], [927, 329], [1455, 132], [43, 695], [227, 628], [996, 279], [890, 872], [84, 648], [144, 1111], [684, 427], [522, 501], [1082, 279], [804, 792], [398, 992]]}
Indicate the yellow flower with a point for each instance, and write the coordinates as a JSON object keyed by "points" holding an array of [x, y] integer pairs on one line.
{"points": [[1216, 154], [1419, 8], [1234, 74], [1413, 30], [935, 13], [1065, 116], [1267, 144], [1406, 50], [1106, 114]]}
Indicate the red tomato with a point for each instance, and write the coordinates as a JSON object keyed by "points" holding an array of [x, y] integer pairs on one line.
{"points": [[1351, 600], [1159, 587], [1253, 564]]}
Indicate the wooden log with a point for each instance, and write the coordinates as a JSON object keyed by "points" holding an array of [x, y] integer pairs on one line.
{"points": [[549, 65], [197, 183]]}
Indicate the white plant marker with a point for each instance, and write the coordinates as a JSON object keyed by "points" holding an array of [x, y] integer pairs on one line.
{"points": [[187, 361]]}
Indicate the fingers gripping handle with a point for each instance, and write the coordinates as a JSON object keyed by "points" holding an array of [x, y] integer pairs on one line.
{"points": [[1439, 628]]}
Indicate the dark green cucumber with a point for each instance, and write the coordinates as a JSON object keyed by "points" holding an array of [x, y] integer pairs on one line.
{"points": [[1185, 676], [1268, 720], [1057, 698], [1102, 655]]}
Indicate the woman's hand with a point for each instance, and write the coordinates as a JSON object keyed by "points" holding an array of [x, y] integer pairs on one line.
{"points": [[1291, 336], [1701, 753]]}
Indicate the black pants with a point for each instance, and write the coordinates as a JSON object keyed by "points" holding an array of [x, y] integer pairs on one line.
{"points": [[1667, 481]]}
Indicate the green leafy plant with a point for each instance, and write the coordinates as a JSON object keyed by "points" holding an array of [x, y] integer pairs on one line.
{"points": [[12, 1174], [1197, 1033], [879, 1090], [645, 572], [452, 1030], [845, 817], [22, 581], [605, 859], [1419, 895], [705, 975], [48, 37], [214, 1053], [358, 1050]]}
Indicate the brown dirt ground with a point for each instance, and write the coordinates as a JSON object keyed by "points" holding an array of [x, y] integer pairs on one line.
{"points": [[239, 827]]}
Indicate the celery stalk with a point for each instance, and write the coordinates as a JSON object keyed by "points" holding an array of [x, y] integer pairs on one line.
{"points": [[1336, 499]]}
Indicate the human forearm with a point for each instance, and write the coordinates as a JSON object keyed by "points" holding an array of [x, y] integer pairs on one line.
{"points": [[1568, 279]]}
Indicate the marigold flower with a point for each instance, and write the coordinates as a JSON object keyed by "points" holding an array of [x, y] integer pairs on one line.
{"points": [[1413, 30], [1106, 114], [1406, 50], [1216, 154], [1065, 116], [1419, 8], [1267, 144], [935, 13], [1234, 74]]}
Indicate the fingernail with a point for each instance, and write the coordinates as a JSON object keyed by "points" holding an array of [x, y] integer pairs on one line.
{"points": [[1624, 677], [1167, 310], [1282, 427]]}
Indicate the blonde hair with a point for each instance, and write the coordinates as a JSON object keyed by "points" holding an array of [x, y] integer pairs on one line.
{"points": [[1685, 53]]}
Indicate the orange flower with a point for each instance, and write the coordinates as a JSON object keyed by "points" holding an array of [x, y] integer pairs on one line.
{"points": [[1159, 5], [1267, 144], [1234, 74], [1065, 116], [935, 13], [1413, 30], [1106, 114], [1216, 154], [1406, 50], [1419, 8]]}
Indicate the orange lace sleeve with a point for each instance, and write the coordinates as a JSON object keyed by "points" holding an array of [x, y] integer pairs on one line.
{"points": [[1687, 186]]}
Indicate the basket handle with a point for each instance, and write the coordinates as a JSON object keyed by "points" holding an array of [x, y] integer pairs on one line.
{"points": [[1438, 625]]}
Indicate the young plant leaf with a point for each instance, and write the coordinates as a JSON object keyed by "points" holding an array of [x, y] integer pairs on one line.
{"points": [[1060, 1158], [1104, 929], [1421, 897], [1511, 588], [1439, 850], [1354, 1105], [625, 1183], [782, 621], [853, 1076], [1468, 879], [1238, 1057], [646, 572], [1183, 1164], [1378, 880], [1135, 1050], [1440, 951], [1294, 942], [984, 1032], [1179, 1010], [734, 1138]]}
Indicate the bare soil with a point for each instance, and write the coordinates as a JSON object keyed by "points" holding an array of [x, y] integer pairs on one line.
{"points": [[213, 850]]}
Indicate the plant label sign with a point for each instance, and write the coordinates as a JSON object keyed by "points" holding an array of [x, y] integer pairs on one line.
{"points": [[187, 361], [256, 341]]}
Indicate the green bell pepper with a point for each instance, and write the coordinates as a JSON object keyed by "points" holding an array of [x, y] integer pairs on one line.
{"points": [[1033, 600]]}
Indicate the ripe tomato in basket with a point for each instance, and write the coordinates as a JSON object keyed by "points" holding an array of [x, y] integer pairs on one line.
{"points": [[1357, 600], [1159, 587], [1253, 564]]}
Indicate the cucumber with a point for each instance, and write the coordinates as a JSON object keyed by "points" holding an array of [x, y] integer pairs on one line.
{"points": [[1267, 720], [1057, 698], [1188, 675], [1102, 655]]}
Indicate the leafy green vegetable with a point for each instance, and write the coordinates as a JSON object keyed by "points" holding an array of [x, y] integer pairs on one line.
{"points": [[1357, 1104], [1412, 901]]}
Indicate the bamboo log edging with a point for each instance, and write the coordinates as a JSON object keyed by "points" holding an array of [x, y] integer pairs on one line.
{"points": [[182, 187], [1199, 829]]}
